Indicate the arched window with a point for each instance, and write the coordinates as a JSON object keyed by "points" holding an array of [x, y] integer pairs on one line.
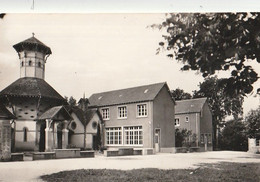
{"points": [[30, 63], [25, 131], [39, 64]]}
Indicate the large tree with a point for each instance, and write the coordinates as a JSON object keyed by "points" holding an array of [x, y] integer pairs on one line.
{"points": [[180, 94], [233, 136], [252, 121], [210, 42], [221, 104]]}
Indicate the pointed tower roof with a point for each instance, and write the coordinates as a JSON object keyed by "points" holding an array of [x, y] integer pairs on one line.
{"points": [[32, 44]]}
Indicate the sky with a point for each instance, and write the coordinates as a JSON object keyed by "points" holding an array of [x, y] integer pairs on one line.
{"points": [[95, 52]]}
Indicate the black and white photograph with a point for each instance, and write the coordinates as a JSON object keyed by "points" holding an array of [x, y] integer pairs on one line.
{"points": [[129, 91]]}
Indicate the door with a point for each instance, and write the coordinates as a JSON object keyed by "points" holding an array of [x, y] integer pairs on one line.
{"points": [[42, 137], [59, 138], [157, 137]]}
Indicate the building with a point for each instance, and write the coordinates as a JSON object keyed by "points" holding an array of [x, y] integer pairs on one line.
{"points": [[139, 117], [195, 116], [88, 128], [42, 121], [5, 133]]}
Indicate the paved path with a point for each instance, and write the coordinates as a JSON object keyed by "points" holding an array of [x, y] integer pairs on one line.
{"points": [[31, 170]]}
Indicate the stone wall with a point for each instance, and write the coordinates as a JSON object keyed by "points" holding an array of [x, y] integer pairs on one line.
{"points": [[5, 140], [253, 146]]}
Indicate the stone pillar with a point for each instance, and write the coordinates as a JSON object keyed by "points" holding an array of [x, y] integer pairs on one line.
{"points": [[48, 136], [65, 138], [55, 136], [5, 140], [252, 145]]}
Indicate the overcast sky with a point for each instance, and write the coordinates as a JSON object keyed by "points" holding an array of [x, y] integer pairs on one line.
{"points": [[96, 52]]}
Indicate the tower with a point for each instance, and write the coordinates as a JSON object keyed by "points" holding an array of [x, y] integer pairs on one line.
{"points": [[33, 55], [30, 96]]}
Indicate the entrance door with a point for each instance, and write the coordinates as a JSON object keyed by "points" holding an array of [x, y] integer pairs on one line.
{"points": [[59, 138], [157, 139], [42, 137]]}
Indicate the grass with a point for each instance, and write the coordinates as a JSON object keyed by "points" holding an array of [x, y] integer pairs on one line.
{"points": [[206, 172]]}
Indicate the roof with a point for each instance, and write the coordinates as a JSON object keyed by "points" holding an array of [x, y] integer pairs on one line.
{"points": [[190, 105], [5, 114], [31, 87], [54, 112], [80, 114], [129, 95], [32, 44]]}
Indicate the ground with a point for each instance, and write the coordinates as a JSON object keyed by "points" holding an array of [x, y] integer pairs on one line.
{"points": [[32, 170]]}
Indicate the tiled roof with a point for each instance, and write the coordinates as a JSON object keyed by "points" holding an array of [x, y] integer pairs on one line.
{"points": [[129, 95], [5, 114], [31, 87], [189, 105], [32, 43], [53, 112], [80, 114]]}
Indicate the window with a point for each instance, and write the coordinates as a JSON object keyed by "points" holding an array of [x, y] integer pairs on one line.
{"points": [[209, 138], [187, 118], [94, 125], [105, 113], [202, 138], [73, 125], [25, 131], [22, 63], [122, 112], [133, 135], [39, 64], [30, 63], [114, 136], [142, 110], [177, 122]]}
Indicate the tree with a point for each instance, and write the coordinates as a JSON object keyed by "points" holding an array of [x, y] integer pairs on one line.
{"points": [[252, 121], [233, 136], [221, 104], [71, 101], [210, 42], [181, 137], [2, 15], [179, 94], [97, 139]]}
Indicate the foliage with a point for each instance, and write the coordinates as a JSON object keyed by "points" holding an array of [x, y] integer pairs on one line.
{"points": [[210, 42], [182, 137], [233, 136], [97, 139], [179, 94], [216, 172], [2, 15], [71, 101], [220, 103], [252, 121]]}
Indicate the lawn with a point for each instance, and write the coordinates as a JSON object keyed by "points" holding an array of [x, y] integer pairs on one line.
{"points": [[206, 172]]}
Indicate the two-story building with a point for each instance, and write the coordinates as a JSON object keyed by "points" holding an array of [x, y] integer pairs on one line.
{"points": [[139, 117], [195, 116]]}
